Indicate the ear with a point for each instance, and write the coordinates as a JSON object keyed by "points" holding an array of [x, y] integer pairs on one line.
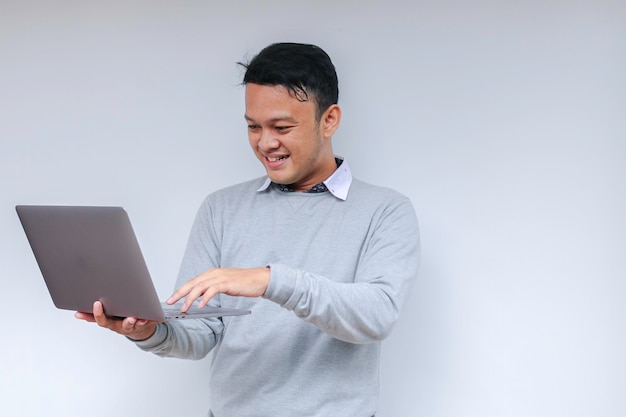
{"points": [[330, 120]]}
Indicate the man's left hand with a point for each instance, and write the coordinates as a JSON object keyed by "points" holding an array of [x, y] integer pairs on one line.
{"points": [[231, 281]]}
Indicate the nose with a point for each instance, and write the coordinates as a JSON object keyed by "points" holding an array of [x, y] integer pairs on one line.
{"points": [[267, 140]]}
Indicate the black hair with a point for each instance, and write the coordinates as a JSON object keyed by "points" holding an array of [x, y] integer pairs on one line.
{"points": [[304, 70]]}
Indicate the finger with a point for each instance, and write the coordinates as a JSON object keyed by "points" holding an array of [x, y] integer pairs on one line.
{"points": [[180, 292], [111, 323], [98, 314], [128, 325], [192, 296], [190, 288], [208, 294], [206, 289], [190, 291], [84, 316]]}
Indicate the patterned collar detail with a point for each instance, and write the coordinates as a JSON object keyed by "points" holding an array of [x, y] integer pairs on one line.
{"points": [[317, 188], [338, 183]]}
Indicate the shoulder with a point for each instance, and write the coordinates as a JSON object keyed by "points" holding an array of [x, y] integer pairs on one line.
{"points": [[236, 192], [233, 196], [361, 192], [381, 204]]}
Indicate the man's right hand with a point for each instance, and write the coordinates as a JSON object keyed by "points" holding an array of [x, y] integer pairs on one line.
{"points": [[131, 327]]}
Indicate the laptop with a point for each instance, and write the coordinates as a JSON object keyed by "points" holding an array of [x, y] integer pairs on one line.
{"points": [[90, 253]]}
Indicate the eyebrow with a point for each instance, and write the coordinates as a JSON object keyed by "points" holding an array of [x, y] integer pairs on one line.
{"points": [[273, 120]]}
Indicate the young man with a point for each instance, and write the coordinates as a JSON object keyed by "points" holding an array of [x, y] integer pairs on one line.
{"points": [[323, 260]]}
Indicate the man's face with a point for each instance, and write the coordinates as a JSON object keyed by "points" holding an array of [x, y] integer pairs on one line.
{"points": [[287, 138]]}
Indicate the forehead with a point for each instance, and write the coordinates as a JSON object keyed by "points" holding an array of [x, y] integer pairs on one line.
{"points": [[270, 101]]}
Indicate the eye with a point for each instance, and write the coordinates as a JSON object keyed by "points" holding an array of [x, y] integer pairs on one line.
{"points": [[283, 128], [253, 127]]}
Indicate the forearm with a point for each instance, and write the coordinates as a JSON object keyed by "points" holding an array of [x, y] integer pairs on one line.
{"points": [[363, 304], [192, 339], [360, 312]]}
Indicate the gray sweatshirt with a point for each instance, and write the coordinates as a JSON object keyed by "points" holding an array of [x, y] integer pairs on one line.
{"points": [[340, 272]]}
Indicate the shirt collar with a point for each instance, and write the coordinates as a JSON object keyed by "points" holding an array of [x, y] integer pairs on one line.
{"points": [[338, 183]]}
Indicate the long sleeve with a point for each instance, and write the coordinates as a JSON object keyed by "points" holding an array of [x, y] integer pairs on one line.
{"points": [[365, 309], [191, 339]]}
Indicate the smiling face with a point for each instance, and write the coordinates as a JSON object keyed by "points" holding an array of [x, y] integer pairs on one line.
{"points": [[293, 146]]}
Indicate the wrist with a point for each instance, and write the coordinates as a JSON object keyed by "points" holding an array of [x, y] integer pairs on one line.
{"points": [[146, 333]]}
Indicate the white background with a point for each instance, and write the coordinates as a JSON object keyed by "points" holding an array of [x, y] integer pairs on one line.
{"points": [[504, 122]]}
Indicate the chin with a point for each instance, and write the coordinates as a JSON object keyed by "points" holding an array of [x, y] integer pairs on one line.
{"points": [[281, 179]]}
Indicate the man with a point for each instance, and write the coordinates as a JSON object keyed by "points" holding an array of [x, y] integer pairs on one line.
{"points": [[323, 260]]}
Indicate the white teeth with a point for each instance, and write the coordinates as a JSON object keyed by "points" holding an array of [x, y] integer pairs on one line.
{"points": [[276, 158]]}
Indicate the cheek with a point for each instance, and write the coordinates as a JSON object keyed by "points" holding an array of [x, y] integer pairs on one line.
{"points": [[308, 145], [252, 140]]}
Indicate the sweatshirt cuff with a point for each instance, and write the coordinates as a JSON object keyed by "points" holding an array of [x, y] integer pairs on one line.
{"points": [[158, 338], [282, 285]]}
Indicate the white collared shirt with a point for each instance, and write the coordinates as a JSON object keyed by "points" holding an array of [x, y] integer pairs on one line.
{"points": [[338, 183]]}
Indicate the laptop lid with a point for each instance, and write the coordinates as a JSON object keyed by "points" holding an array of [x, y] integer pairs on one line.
{"points": [[88, 253]]}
